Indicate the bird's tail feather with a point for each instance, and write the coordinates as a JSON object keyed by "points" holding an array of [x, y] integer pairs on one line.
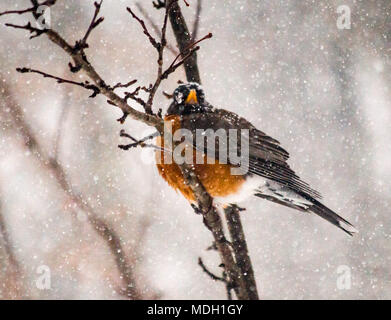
{"points": [[329, 215], [317, 208]]}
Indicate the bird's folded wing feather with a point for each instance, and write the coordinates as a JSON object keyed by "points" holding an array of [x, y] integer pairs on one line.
{"points": [[266, 157]]}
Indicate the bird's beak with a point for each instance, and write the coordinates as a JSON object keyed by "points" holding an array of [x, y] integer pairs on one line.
{"points": [[192, 97]]}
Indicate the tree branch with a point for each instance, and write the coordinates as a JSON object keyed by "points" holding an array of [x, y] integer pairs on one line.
{"points": [[46, 3], [145, 30], [155, 27], [238, 268], [217, 278], [94, 23], [183, 38], [85, 84], [189, 60], [138, 143], [239, 245]]}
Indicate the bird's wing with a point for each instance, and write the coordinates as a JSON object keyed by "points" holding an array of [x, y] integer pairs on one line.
{"points": [[266, 157]]}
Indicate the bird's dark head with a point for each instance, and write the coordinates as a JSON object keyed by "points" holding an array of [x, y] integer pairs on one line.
{"points": [[188, 98]]}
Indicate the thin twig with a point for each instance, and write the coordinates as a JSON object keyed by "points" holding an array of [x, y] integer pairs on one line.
{"points": [[134, 96], [145, 30], [209, 273], [125, 85], [139, 143], [29, 28], [85, 84], [82, 63], [173, 67], [188, 50], [155, 27], [47, 3], [161, 47], [94, 23], [223, 279]]}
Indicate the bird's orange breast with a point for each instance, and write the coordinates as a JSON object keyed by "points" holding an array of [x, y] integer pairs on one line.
{"points": [[216, 178]]}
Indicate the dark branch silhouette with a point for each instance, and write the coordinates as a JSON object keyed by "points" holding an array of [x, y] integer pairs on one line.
{"points": [[85, 84], [155, 28], [237, 264], [183, 38]]}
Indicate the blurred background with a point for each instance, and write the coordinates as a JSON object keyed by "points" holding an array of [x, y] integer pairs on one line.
{"points": [[82, 219]]}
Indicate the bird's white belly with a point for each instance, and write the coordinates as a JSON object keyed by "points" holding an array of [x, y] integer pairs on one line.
{"points": [[256, 184], [247, 189]]}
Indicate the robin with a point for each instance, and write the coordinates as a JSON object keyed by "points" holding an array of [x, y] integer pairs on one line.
{"points": [[267, 173]]}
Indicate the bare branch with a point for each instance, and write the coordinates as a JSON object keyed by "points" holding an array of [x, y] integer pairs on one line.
{"points": [[116, 248], [223, 279], [197, 18], [16, 11], [81, 62], [241, 251], [189, 60], [85, 84], [29, 28], [175, 66], [94, 23], [126, 85], [145, 30], [190, 49], [168, 95], [183, 38], [161, 47], [210, 274], [134, 96], [155, 28], [47, 3], [138, 143], [245, 287], [159, 4]]}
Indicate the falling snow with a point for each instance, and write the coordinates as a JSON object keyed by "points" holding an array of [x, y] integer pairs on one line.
{"points": [[323, 92]]}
